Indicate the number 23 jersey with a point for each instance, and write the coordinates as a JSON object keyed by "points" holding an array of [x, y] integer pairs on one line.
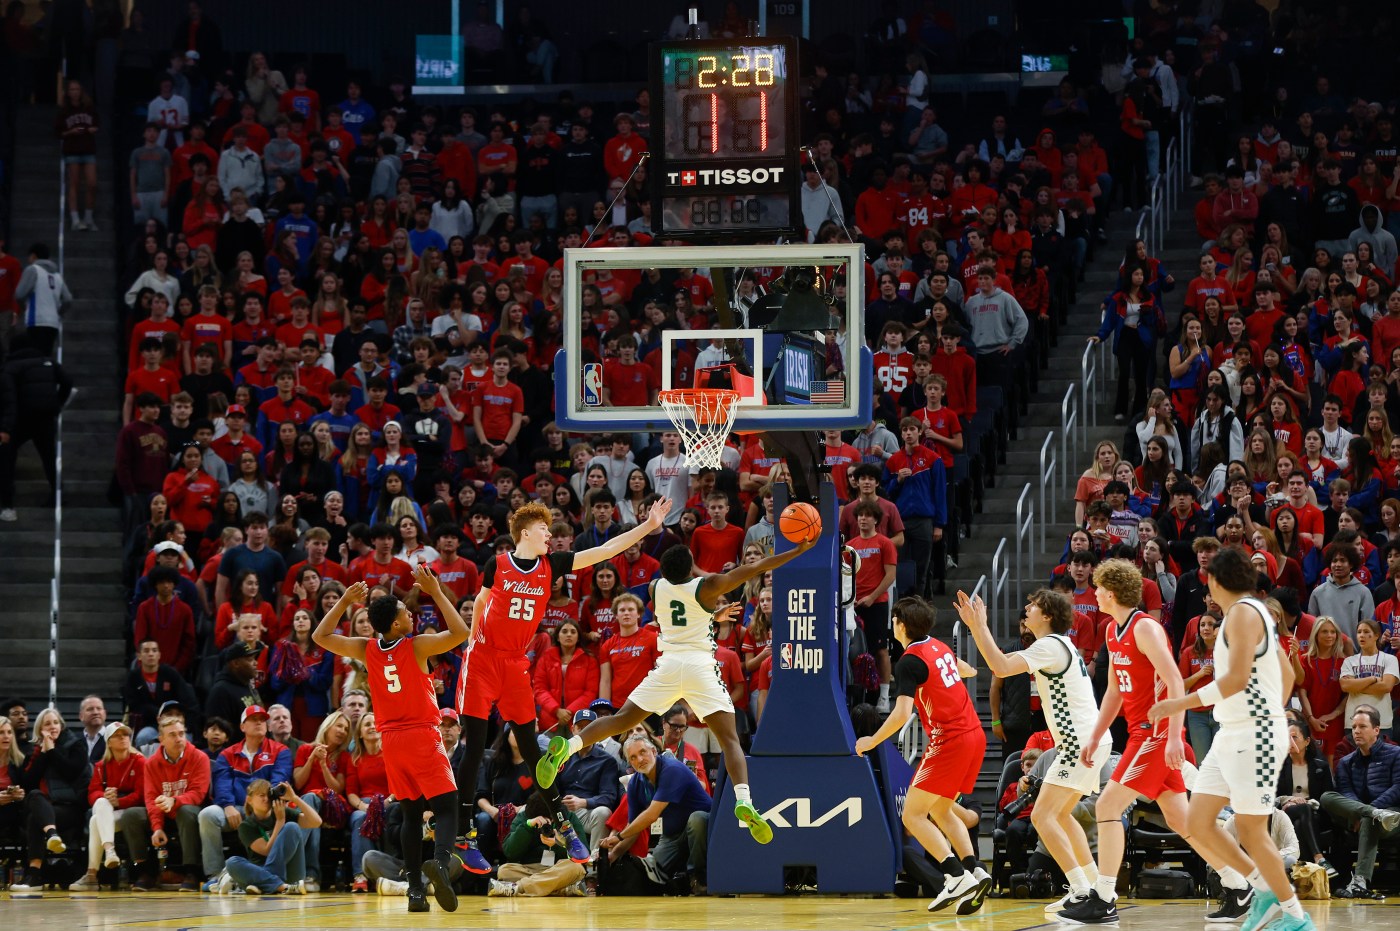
{"points": [[520, 589], [928, 673]]}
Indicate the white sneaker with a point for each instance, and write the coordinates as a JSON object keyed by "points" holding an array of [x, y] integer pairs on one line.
{"points": [[8, 515], [579, 888], [973, 903], [225, 884], [1388, 820], [77, 224], [56, 845], [498, 888], [954, 888], [85, 884], [90, 224], [883, 705], [1059, 906], [312, 885], [391, 886]]}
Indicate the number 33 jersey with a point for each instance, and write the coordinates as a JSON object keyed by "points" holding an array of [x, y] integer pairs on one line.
{"points": [[520, 589], [928, 673]]}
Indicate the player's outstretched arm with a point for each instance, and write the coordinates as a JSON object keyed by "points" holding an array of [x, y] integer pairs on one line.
{"points": [[973, 613], [903, 708], [619, 544], [455, 632], [1229, 680], [716, 585], [326, 637]]}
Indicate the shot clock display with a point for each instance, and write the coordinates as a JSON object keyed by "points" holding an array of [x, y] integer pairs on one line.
{"points": [[726, 127]]}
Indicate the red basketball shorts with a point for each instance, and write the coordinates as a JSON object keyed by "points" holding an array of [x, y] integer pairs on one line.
{"points": [[416, 763], [950, 765], [1143, 766], [500, 679]]}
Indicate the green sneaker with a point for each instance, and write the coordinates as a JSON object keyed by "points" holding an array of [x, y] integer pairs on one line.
{"points": [[550, 763], [749, 817], [1263, 911]]}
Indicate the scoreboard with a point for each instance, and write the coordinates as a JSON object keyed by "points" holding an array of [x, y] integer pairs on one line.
{"points": [[724, 141]]}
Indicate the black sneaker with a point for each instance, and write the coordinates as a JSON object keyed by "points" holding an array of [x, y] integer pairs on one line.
{"points": [[417, 900], [1090, 910], [442, 884], [1234, 905]]}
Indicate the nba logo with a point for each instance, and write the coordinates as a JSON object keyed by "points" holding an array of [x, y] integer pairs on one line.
{"points": [[592, 384], [785, 656]]}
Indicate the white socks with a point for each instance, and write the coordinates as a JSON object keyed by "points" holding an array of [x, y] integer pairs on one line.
{"points": [[884, 691], [1231, 878], [1078, 882], [1292, 908], [1257, 881], [575, 744], [1106, 888], [741, 792]]}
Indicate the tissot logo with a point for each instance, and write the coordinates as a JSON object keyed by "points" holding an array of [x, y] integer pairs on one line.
{"points": [[725, 176]]}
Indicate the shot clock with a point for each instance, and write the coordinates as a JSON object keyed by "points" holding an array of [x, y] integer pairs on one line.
{"points": [[724, 158]]}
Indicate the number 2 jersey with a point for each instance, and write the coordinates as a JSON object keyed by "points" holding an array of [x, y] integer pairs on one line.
{"points": [[400, 692], [684, 622], [928, 673], [520, 589]]}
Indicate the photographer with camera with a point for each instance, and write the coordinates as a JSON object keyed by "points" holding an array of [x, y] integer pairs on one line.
{"points": [[1014, 813], [274, 831], [536, 863]]}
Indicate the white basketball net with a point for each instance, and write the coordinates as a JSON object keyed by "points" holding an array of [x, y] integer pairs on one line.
{"points": [[703, 417]]}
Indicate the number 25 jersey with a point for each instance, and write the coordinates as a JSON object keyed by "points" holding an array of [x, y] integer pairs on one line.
{"points": [[400, 692], [520, 589]]}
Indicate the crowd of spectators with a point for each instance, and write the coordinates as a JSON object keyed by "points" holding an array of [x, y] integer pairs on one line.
{"points": [[1258, 391], [340, 319]]}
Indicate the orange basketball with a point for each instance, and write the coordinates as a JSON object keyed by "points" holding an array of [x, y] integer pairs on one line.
{"points": [[800, 522]]}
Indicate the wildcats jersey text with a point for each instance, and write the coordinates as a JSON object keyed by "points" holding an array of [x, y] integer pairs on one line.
{"points": [[520, 590]]}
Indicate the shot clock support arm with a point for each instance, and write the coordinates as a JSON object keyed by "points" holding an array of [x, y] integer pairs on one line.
{"points": [[812, 158], [641, 160]]}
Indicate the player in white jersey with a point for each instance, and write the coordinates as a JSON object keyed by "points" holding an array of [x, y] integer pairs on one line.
{"points": [[1252, 683], [1067, 694], [684, 606]]}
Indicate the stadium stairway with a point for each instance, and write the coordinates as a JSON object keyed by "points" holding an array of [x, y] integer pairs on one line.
{"points": [[90, 651], [997, 519]]}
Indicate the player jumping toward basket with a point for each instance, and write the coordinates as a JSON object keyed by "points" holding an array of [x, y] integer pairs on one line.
{"points": [[687, 669], [515, 587], [1064, 686], [406, 712], [1141, 672], [928, 679], [1252, 683]]}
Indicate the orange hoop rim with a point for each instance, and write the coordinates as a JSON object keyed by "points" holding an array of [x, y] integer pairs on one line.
{"points": [[708, 406]]}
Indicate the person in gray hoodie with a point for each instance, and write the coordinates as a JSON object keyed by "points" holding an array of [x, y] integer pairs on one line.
{"points": [[1342, 597], [385, 180], [820, 202], [1383, 249], [41, 295], [241, 168], [998, 329]]}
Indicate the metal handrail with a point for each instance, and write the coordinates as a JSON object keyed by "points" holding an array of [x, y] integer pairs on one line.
{"points": [[1000, 590], [1048, 464], [58, 459], [1069, 420], [1025, 537], [1089, 368]]}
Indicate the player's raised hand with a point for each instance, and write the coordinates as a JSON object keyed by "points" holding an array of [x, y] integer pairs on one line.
{"points": [[427, 580], [658, 513], [971, 611], [729, 613], [356, 594]]}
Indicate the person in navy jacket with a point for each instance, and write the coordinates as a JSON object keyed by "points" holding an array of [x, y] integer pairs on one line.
{"points": [[917, 482], [256, 756], [1368, 795]]}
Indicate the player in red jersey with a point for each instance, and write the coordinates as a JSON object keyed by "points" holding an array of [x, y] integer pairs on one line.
{"points": [[1141, 673], [406, 713], [928, 679], [515, 588]]}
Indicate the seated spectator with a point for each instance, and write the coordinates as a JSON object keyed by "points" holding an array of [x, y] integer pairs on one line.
{"points": [[525, 871], [665, 789], [150, 684], [117, 797], [19, 808], [1021, 835], [673, 729], [1306, 778], [176, 785], [253, 758], [367, 791], [589, 785], [233, 689], [57, 769], [503, 786], [276, 837], [566, 678], [1367, 797]]}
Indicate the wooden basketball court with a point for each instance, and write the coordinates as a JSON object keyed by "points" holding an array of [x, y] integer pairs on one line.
{"points": [[797, 913]]}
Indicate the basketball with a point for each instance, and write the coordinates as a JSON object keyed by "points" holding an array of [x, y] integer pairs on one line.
{"points": [[800, 522]]}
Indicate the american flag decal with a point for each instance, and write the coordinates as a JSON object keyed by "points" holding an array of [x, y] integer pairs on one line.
{"points": [[829, 392]]}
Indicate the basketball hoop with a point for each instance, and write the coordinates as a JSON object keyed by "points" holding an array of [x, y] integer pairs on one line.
{"points": [[703, 417]]}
